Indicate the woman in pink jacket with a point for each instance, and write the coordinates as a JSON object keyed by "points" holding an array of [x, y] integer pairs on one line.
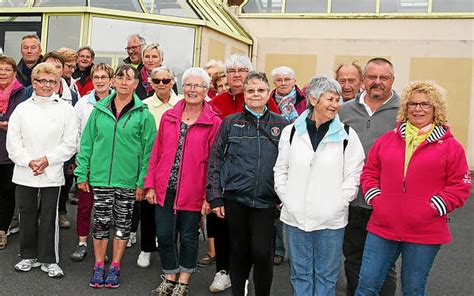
{"points": [[414, 176], [176, 180]]}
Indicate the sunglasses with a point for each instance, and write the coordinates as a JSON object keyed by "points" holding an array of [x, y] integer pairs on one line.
{"points": [[157, 80]]}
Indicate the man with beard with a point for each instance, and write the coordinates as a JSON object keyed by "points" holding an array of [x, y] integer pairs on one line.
{"points": [[372, 113]]}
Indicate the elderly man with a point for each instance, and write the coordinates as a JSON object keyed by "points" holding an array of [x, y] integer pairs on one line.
{"points": [[349, 76], [134, 51], [30, 57], [82, 74], [370, 114]]}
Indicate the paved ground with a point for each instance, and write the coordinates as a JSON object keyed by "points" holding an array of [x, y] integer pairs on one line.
{"points": [[452, 272]]}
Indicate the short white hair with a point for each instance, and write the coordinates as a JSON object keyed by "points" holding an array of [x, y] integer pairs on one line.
{"points": [[197, 72], [320, 85], [283, 70], [214, 64], [161, 69], [238, 60]]}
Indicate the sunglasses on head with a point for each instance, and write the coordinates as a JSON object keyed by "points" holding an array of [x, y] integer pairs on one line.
{"points": [[157, 80]]}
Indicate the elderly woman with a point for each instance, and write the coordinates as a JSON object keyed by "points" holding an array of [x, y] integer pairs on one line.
{"points": [[414, 176], [115, 148], [212, 68], [101, 79], [162, 80], [316, 177], [219, 81], [41, 137], [176, 180], [241, 185], [12, 93]]}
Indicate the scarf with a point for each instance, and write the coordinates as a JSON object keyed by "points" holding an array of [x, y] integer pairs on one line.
{"points": [[6, 94], [286, 104], [145, 83], [413, 138]]}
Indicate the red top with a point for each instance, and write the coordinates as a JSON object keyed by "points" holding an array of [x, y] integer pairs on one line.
{"points": [[229, 104]]}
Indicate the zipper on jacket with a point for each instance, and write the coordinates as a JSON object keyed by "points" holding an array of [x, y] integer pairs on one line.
{"points": [[404, 187], [113, 152], [258, 164], [180, 166], [368, 123], [126, 121]]}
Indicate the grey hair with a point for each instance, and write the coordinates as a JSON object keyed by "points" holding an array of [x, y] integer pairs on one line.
{"points": [[380, 61], [216, 64], [284, 70], [238, 60], [320, 85], [257, 76], [153, 46], [162, 69], [142, 40], [197, 72]]}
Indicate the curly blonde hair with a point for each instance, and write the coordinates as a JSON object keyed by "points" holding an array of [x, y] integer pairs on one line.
{"points": [[436, 95]]}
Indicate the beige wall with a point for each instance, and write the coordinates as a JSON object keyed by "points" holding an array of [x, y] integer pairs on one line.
{"points": [[218, 46], [441, 50]]}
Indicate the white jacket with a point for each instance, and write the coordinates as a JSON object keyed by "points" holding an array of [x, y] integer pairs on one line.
{"points": [[41, 127], [317, 187]]}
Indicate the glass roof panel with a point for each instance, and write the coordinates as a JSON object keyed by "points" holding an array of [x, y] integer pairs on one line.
{"points": [[13, 3], [177, 8], [50, 3], [128, 5], [262, 6]]}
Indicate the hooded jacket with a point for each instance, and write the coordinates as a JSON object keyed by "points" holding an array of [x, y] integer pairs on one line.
{"points": [[115, 153], [437, 174], [190, 190]]}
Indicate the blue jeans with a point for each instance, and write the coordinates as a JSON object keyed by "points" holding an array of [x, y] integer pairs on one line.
{"points": [[315, 258], [380, 254]]}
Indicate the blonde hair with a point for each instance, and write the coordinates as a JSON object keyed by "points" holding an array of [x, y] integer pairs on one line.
{"points": [[45, 68], [68, 54], [436, 95]]}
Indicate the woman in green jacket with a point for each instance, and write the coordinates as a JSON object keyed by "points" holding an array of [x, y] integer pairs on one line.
{"points": [[115, 148]]}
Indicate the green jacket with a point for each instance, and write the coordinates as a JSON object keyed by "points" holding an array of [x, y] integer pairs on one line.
{"points": [[116, 153]]}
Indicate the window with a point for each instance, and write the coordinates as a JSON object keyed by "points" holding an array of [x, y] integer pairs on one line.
{"points": [[453, 6], [14, 3], [63, 31], [128, 5], [169, 7], [262, 6], [308, 6], [50, 3], [404, 6], [351, 6]]}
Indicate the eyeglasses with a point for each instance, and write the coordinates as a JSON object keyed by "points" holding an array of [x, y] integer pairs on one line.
{"points": [[72, 67], [235, 71], [423, 105], [374, 77], [130, 48], [97, 78], [6, 70], [157, 81], [43, 82], [259, 91], [195, 86]]}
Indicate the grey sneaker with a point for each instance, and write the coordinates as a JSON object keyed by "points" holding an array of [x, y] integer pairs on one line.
{"points": [[52, 269], [79, 253], [180, 290], [64, 221], [27, 264], [132, 239], [164, 289]]}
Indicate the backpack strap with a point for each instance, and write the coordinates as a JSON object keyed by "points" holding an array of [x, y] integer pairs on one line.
{"points": [[346, 128], [293, 129]]}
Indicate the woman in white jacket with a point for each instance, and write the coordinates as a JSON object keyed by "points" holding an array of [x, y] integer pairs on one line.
{"points": [[316, 176], [41, 137]]}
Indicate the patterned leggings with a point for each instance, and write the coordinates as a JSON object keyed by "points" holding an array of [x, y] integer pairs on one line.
{"points": [[112, 206]]}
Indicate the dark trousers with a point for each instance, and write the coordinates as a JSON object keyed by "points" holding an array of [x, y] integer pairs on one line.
{"points": [[64, 196], [84, 210], [39, 235], [353, 249], [251, 234], [7, 195], [220, 233], [169, 225], [147, 226], [135, 218]]}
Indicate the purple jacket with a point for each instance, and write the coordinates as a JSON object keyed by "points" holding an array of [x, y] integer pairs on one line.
{"points": [[300, 105]]}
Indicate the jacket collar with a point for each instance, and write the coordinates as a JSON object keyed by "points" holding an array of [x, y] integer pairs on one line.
{"points": [[394, 102], [104, 104], [299, 94], [438, 132], [335, 133], [206, 116]]}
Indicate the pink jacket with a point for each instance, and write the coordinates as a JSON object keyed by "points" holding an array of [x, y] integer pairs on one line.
{"points": [[190, 192], [413, 208]]}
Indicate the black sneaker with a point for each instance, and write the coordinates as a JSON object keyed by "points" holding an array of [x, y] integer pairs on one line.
{"points": [[80, 253]]}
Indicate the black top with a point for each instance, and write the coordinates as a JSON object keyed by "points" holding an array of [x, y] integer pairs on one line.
{"points": [[316, 134]]}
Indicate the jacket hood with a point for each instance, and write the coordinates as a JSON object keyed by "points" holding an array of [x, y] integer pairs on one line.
{"points": [[206, 116], [335, 133], [439, 132]]}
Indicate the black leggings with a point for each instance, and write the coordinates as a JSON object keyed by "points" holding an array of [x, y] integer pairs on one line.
{"points": [[7, 195]]}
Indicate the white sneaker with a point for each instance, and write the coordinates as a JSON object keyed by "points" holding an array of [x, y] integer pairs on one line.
{"points": [[27, 264], [221, 282], [52, 269], [132, 239], [144, 259]]}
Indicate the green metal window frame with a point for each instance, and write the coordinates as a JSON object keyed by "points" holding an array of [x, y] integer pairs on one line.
{"points": [[377, 14]]}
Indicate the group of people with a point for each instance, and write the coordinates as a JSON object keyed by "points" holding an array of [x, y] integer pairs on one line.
{"points": [[340, 165]]}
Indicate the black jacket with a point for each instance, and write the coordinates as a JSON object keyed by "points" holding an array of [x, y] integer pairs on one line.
{"points": [[23, 73], [242, 159]]}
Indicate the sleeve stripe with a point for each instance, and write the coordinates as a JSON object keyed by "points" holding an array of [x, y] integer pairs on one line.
{"points": [[440, 205], [371, 194]]}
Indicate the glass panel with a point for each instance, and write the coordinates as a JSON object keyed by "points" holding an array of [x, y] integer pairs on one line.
{"points": [[63, 31], [50, 3], [13, 3], [348, 6], [307, 6], [35, 18], [453, 6], [404, 6], [262, 6], [129, 5], [178, 52], [13, 43], [169, 7]]}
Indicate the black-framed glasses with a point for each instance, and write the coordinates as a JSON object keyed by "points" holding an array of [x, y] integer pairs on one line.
{"points": [[423, 105], [43, 82], [157, 81]]}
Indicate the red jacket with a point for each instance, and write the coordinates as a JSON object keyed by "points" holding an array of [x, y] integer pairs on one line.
{"points": [[191, 191], [85, 87], [437, 174], [228, 104]]}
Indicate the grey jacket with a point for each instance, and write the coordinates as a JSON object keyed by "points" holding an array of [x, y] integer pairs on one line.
{"points": [[369, 128]]}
